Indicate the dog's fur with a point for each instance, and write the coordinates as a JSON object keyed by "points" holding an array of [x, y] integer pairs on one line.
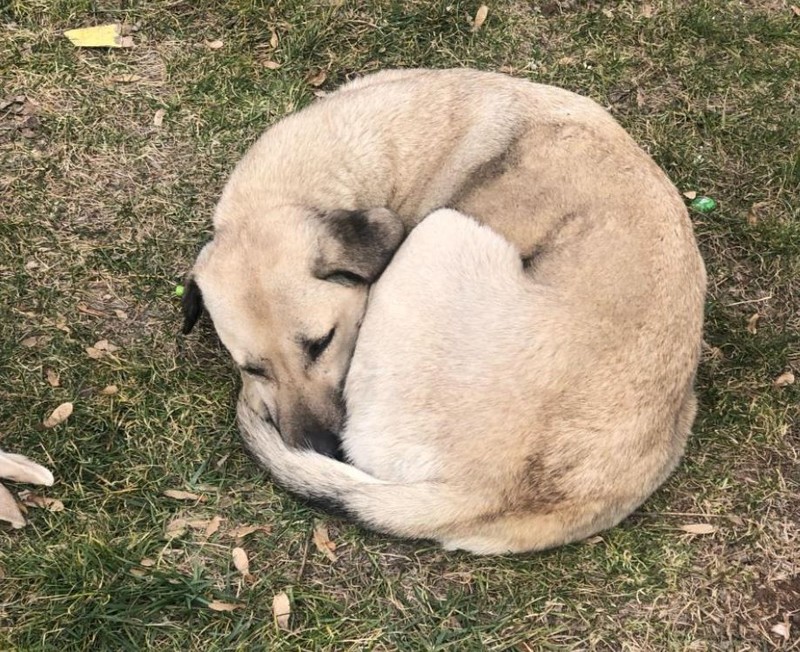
{"points": [[314, 211], [475, 416]]}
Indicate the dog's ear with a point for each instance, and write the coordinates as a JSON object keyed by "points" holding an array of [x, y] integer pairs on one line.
{"points": [[192, 305], [358, 244]]}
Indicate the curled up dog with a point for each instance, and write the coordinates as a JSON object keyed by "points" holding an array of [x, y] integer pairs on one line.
{"points": [[515, 388]]}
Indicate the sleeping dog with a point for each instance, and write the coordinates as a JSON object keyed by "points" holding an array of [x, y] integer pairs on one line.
{"points": [[314, 212]]}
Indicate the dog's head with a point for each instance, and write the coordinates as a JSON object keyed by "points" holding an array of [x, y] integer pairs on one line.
{"points": [[286, 292]]}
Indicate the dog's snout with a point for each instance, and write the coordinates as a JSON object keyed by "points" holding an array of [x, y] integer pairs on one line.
{"points": [[325, 442]]}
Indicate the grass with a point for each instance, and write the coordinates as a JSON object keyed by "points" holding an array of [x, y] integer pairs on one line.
{"points": [[103, 212]]}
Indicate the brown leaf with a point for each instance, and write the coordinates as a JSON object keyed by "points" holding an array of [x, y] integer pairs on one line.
{"points": [[699, 528], [591, 541], [480, 17], [126, 42], [755, 212], [93, 353], [126, 79], [105, 345], [216, 44], [752, 323], [273, 39], [690, 194], [213, 526], [786, 378], [216, 605], [59, 415], [242, 531], [84, 308], [178, 494], [281, 610], [782, 629], [158, 120], [138, 572], [241, 562], [52, 378], [176, 527], [121, 314], [323, 542], [31, 499], [271, 65], [36, 340], [110, 390], [646, 10], [317, 79], [147, 563]]}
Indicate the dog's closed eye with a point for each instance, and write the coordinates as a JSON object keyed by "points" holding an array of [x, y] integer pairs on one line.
{"points": [[255, 370], [315, 348], [348, 279]]}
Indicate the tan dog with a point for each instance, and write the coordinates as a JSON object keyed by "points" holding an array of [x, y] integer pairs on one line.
{"points": [[314, 211], [479, 415]]}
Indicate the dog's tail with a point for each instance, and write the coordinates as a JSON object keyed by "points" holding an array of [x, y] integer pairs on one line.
{"points": [[420, 510]]}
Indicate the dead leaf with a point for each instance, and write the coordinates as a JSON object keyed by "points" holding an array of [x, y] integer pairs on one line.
{"points": [[178, 494], [755, 212], [91, 311], [317, 79], [36, 340], [93, 353], [796, 10], [147, 563], [641, 100], [126, 79], [480, 17], [121, 314], [273, 39], [782, 629], [216, 605], [105, 345], [594, 540], [99, 36], [59, 415], [176, 527], [786, 378], [158, 120], [752, 323], [31, 499], [242, 531], [323, 542], [646, 10], [690, 194], [52, 378], [213, 526], [608, 13], [281, 610], [241, 562], [110, 390], [138, 572], [215, 44], [271, 65], [699, 528]]}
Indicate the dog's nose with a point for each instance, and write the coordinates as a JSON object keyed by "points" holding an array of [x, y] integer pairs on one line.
{"points": [[325, 442]]}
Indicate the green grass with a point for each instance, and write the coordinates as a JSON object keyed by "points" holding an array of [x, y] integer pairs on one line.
{"points": [[102, 211]]}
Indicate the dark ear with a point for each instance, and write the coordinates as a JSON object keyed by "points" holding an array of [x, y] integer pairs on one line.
{"points": [[192, 305], [358, 243]]}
